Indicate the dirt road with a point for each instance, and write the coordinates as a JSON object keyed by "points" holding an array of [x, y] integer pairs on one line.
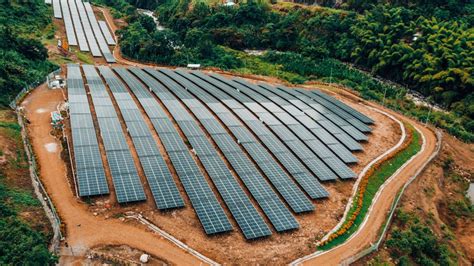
{"points": [[83, 229], [369, 231]]}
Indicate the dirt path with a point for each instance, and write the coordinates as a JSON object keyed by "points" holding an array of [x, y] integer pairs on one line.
{"points": [[369, 231], [83, 229]]}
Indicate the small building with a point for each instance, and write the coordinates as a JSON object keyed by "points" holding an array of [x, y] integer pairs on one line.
{"points": [[194, 66]]}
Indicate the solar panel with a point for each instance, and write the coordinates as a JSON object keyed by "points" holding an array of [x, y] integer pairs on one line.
{"points": [[287, 136], [90, 173], [288, 160], [87, 157], [272, 170], [57, 8], [208, 210], [81, 120], [346, 108], [71, 36], [125, 177], [107, 34], [349, 142], [340, 168], [241, 134], [81, 38], [87, 29], [253, 181], [104, 48], [343, 153]]}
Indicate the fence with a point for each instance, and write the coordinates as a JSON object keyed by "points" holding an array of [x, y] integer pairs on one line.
{"points": [[40, 191], [13, 104], [377, 244]]}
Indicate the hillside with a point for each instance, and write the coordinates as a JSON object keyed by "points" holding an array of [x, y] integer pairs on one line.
{"points": [[289, 144], [23, 58], [428, 52]]}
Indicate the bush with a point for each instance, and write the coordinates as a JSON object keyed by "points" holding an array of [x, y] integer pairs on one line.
{"points": [[414, 241]]}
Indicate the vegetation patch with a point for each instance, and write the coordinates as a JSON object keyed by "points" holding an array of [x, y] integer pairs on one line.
{"points": [[413, 241], [424, 46], [23, 238], [368, 187], [23, 58]]}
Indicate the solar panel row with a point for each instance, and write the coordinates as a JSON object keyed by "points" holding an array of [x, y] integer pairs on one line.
{"points": [[107, 34], [90, 173], [98, 34], [71, 36], [208, 210], [81, 38], [128, 187], [87, 29], [328, 104], [346, 108], [251, 224], [57, 8], [280, 96], [281, 181], [163, 188]]}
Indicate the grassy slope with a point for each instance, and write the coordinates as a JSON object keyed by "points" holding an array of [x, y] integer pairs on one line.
{"points": [[24, 227]]}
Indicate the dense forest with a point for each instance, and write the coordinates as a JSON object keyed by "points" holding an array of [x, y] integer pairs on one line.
{"points": [[23, 58], [424, 46]]}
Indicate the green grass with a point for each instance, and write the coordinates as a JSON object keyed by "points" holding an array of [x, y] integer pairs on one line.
{"points": [[255, 65], [12, 129], [375, 181], [84, 58]]}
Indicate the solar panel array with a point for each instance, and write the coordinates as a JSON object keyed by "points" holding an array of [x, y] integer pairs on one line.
{"points": [[263, 148], [128, 187], [90, 173], [163, 188], [83, 29], [107, 34], [269, 166], [337, 128], [88, 29], [316, 166], [208, 210], [303, 177], [104, 48], [346, 114], [314, 138], [250, 175], [242, 209]]}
